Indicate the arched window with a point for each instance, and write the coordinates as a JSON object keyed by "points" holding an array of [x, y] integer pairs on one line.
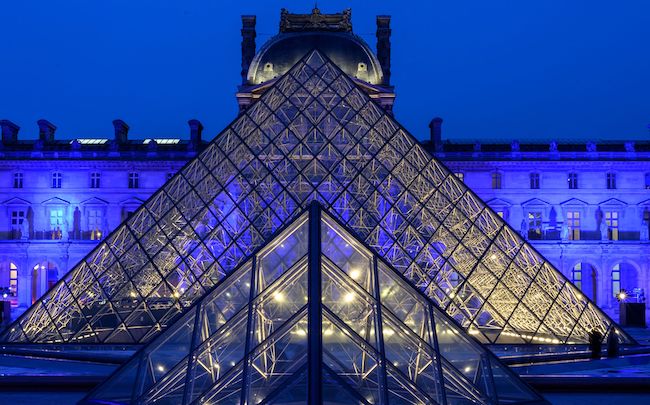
{"points": [[616, 279], [576, 275], [584, 276]]}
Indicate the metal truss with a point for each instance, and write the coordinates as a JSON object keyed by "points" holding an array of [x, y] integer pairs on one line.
{"points": [[313, 136], [314, 317]]}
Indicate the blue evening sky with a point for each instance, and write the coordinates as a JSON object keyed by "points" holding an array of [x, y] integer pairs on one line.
{"points": [[570, 70]]}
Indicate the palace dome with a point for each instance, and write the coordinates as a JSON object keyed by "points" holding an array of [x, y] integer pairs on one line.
{"points": [[348, 51]]}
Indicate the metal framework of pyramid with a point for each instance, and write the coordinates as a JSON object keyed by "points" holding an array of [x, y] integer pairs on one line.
{"points": [[313, 317], [314, 135]]}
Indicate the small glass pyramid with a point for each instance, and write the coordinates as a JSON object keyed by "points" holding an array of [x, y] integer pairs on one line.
{"points": [[313, 317], [313, 136]]}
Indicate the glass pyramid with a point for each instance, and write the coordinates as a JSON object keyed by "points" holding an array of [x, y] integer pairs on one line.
{"points": [[314, 135], [313, 317]]}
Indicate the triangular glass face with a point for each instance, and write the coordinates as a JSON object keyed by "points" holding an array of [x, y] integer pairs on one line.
{"points": [[312, 136], [366, 337]]}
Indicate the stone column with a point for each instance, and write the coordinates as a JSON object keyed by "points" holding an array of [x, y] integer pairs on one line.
{"points": [[24, 282]]}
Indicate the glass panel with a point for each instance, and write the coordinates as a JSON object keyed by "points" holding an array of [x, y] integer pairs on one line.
{"points": [[347, 254], [350, 304], [277, 358], [277, 304], [351, 358], [219, 354], [282, 253]]}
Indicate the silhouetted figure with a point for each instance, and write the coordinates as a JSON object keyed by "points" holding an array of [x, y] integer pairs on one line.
{"points": [[612, 344], [595, 343]]}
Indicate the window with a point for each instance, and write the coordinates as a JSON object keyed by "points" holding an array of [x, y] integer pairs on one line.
{"points": [[535, 225], [56, 180], [573, 181], [56, 222], [95, 180], [573, 222], [17, 218], [647, 181], [460, 176], [95, 222], [576, 275], [501, 213], [134, 180], [616, 279], [18, 180], [611, 181], [611, 219], [13, 279], [496, 180], [534, 180]]}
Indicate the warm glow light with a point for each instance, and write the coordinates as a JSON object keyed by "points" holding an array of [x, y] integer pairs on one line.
{"points": [[278, 297], [468, 369], [349, 297], [176, 294], [355, 274], [160, 368]]}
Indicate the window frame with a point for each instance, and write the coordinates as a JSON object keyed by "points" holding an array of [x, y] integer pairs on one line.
{"points": [[57, 179], [18, 180], [574, 219], [572, 181], [534, 180], [612, 220], [497, 180], [133, 180], [611, 180], [95, 180]]}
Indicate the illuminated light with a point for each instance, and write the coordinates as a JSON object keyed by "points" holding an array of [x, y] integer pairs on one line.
{"points": [[473, 332], [301, 332], [396, 364], [160, 368], [349, 297], [468, 369], [355, 274], [452, 295], [217, 366], [90, 141], [389, 332], [232, 363], [493, 257], [328, 332], [278, 297], [133, 294], [248, 284], [176, 294], [162, 141], [228, 294]]}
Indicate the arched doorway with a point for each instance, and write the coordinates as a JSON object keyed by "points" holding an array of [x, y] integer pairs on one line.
{"points": [[44, 276], [624, 277], [9, 282], [585, 277]]}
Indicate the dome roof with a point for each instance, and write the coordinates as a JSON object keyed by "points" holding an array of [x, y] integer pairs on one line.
{"points": [[346, 50]]}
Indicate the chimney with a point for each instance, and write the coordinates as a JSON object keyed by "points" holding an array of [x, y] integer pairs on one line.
{"points": [[121, 131], [9, 132], [436, 133], [383, 45], [247, 44], [196, 128], [46, 131]]}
